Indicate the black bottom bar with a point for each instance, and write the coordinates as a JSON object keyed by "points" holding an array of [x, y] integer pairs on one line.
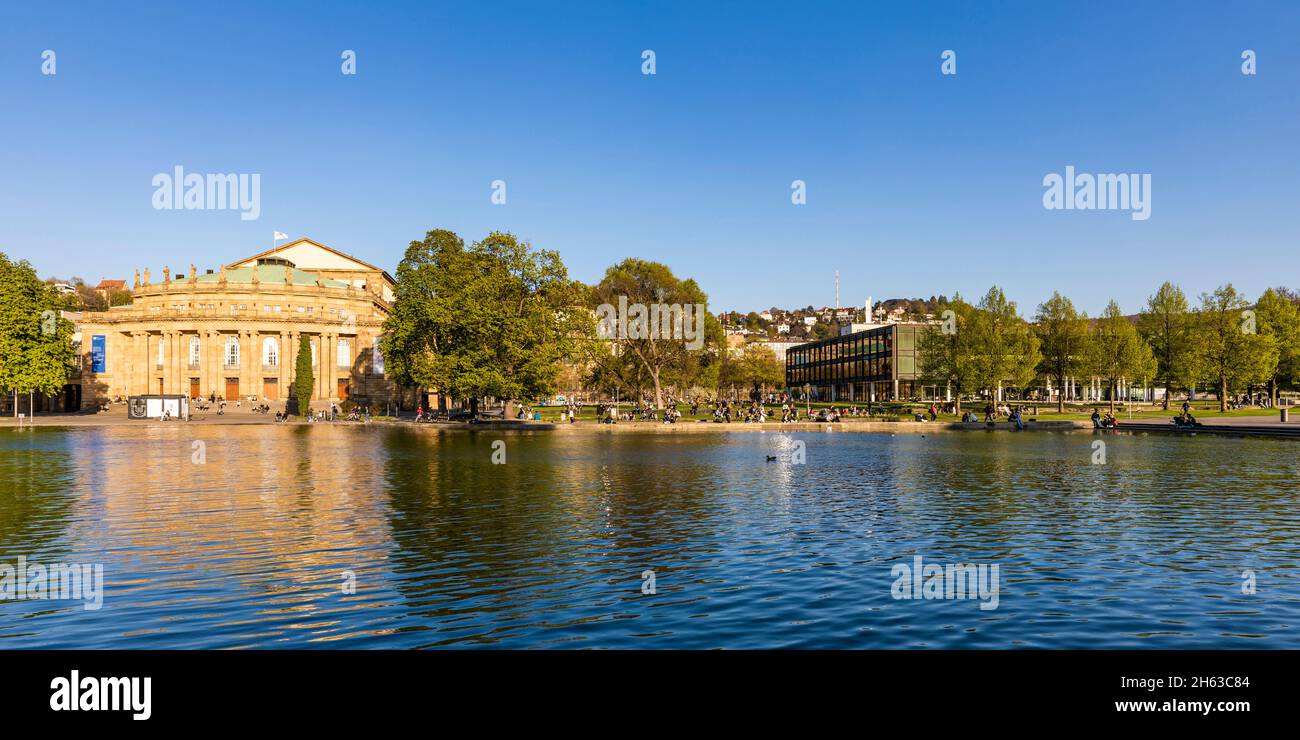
{"points": [[301, 689]]}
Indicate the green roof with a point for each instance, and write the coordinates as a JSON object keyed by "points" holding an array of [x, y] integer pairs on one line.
{"points": [[268, 274]]}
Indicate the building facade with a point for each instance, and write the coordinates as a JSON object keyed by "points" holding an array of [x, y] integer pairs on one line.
{"points": [[234, 332], [877, 364]]}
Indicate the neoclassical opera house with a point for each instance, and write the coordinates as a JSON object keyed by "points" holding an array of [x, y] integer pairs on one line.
{"points": [[234, 332]]}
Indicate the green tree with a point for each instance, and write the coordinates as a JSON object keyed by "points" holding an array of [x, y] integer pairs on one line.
{"points": [[303, 377], [1230, 351], [1005, 348], [823, 330], [1278, 317], [946, 350], [1116, 352], [1063, 339], [755, 366], [494, 319], [666, 359], [1165, 326], [36, 351]]}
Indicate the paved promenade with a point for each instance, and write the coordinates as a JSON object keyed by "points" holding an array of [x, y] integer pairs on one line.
{"points": [[1247, 425]]}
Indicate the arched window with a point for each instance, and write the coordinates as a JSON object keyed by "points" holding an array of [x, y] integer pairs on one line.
{"points": [[271, 352], [232, 351]]}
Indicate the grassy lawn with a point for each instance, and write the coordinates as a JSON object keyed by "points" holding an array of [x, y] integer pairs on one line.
{"points": [[901, 411]]}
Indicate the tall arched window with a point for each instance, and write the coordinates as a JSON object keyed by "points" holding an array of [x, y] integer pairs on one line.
{"points": [[344, 352], [194, 351], [271, 352], [232, 351]]}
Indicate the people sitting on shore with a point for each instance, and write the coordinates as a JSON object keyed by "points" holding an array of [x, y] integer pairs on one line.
{"points": [[1096, 419]]}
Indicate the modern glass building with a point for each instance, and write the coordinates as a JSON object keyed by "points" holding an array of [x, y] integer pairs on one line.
{"points": [[877, 364]]}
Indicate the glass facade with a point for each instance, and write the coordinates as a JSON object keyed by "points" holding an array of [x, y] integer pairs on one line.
{"points": [[875, 364]]}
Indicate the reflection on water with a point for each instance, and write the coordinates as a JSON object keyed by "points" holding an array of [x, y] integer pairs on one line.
{"points": [[257, 546]]}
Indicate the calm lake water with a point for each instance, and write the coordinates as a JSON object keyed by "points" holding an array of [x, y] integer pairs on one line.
{"points": [[252, 548]]}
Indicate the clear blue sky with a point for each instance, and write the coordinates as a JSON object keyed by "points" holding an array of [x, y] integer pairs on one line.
{"points": [[918, 184]]}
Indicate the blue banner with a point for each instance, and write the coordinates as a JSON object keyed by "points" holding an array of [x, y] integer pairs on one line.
{"points": [[98, 354]]}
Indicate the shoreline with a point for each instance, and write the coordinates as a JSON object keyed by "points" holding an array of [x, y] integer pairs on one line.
{"points": [[1240, 427], [584, 426]]}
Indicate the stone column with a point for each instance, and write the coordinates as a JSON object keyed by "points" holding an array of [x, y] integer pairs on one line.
{"points": [[168, 340], [318, 374], [150, 353], [180, 361], [205, 362], [333, 366], [211, 357], [247, 361], [283, 371], [256, 385], [160, 340], [169, 361], [151, 362], [138, 370], [219, 363], [327, 365]]}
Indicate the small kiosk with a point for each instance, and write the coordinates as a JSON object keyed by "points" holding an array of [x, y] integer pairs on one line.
{"points": [[172, 406]]}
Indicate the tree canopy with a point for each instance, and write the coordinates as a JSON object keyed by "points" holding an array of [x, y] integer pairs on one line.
{"points": [[36, 352], [657, 360], [491, 319], [1062, 337]]}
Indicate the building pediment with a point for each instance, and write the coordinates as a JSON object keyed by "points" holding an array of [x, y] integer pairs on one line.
{"points": [[307, 255]]}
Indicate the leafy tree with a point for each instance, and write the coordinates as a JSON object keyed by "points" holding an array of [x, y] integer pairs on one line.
{"points": [[947, 350], [494, 319], [1063, 339], [1230, 352], [1278, 317], [666, 360], [303, 377], [1005, 348], [755, 366], [1165, 325], [35, 341], [1116, 352]]}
